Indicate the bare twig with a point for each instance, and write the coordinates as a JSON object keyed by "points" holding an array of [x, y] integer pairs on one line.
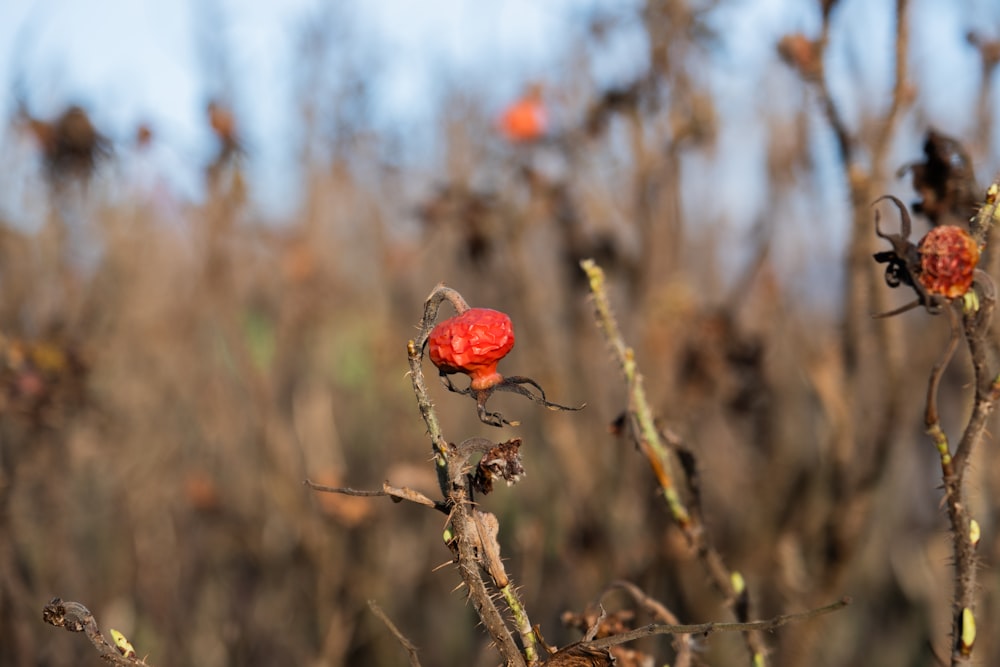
{"points": [[682, 642], [900, 93], [845, 143], [397, 494], [411, 649], [931, 411], [707, 629], [596, 625]]}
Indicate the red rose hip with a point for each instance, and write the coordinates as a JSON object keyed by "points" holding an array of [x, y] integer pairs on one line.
{"points": [[472, 342], [948, 258]]}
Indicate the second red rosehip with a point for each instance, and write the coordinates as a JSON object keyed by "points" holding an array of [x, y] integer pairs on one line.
{"points": [[948, 258]]}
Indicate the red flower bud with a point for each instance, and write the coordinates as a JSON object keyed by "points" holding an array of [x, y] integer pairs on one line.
{"points": [[948, 258], [472, 342]]}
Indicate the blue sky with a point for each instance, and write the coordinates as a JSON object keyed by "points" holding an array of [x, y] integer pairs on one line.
{"points": [[145, 60], [130, 61]]}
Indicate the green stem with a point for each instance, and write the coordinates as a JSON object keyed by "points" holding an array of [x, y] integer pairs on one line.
{"points": [[649, 437], [522, 622]]}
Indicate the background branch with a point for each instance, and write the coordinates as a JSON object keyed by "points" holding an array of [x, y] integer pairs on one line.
{"points": [[709, 628], [410, 647]]}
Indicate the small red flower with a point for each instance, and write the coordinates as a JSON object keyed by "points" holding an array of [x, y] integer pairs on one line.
{"points": [[948, 258], [472, 342]]}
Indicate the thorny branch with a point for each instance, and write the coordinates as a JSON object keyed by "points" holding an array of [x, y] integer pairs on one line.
{"points": [[975, 326], [471, 534], [650, 441], [453, 467]]}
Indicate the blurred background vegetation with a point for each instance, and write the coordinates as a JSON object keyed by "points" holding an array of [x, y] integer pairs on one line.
{"points": [[173, 369]]}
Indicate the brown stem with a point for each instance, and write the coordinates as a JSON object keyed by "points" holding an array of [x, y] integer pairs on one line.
{"points": [[899, 89], [931, 419]]}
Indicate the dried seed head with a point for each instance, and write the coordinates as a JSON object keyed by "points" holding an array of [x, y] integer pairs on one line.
{"points": [[473, 343], [501, 462], [948, 258]]}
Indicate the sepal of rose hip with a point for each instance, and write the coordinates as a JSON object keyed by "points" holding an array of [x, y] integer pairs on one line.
{"points": [[945, 180], [514, 384]]}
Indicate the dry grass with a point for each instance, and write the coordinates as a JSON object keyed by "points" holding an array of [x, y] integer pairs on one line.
{"points": [[162, 406]]}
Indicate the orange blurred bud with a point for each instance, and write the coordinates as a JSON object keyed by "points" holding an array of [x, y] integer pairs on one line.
{"points": [[802, 53], [201, 491], [525, 120]]}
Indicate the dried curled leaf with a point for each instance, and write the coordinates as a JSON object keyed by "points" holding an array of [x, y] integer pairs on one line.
{"points": [[487, 530]]}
